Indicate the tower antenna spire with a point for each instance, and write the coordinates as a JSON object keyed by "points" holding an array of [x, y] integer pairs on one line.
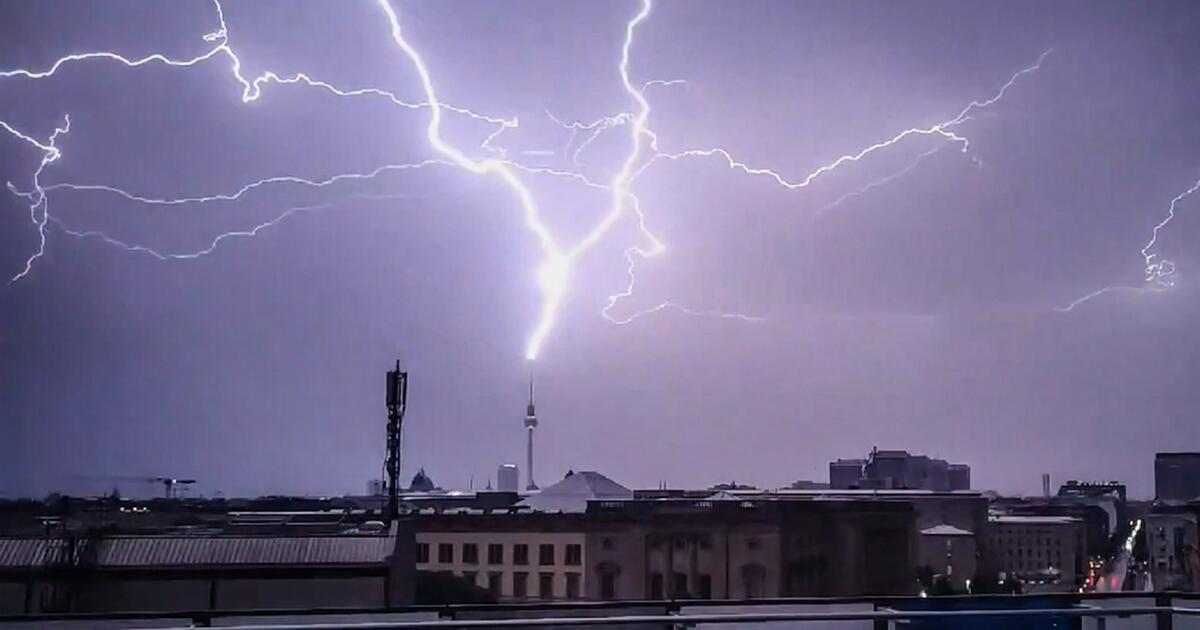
{"points": [[531, 423]]}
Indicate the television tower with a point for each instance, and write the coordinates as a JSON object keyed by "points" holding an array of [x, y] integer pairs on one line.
{"points": [[530, 424]]}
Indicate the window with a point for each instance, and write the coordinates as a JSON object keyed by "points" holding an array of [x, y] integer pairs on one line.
{"points": [[422, 553], [520, 554], [545, 555], [574, 555], [705, 590], [494, 584], [495, 554], [608, 585], [546, 585], [520, 585], [470, 553], [471, 577], [572, 586], [607, 544], [679, 585], [445, 553]]}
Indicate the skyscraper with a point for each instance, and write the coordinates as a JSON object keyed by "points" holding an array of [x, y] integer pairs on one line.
{"points": [[531, 423], [508, 478]]}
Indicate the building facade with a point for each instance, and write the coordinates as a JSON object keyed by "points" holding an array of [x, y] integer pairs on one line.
{"points": [[1045, 549], [1177, 477], [732, 547], [1171, 532], [173, 572], [515, 558]]}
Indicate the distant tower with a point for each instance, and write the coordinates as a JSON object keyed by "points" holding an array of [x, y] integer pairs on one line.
{"points": [[530, 424], [508, 478]]}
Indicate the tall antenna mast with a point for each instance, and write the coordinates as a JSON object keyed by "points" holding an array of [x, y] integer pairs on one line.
{"points": [[397, 400]]}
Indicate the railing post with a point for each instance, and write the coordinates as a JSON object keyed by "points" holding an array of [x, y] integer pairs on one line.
{"points": [[1166, 619], [879, 624]]}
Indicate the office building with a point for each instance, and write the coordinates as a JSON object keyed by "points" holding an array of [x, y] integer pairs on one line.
{"points": [[1177, 477], [508, 478]]}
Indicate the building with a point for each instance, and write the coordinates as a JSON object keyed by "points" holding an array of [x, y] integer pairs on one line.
{"points": [[951, 552], [588, 537], [845, 474], [1177, 476], [574, 491], [533, 549], [1097, 515], [1047, 550], [171, 572], [965, 512], [959, 476], [422, 482], [1109, 496], [1171, 534], [508, 478], [729, 546], [897, 469], [515, 556]]}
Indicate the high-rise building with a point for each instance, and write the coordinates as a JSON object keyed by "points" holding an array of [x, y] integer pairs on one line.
{"points": [[508, 478], [896, 469], [1177, 476], [960, 476], [531, 423], [845, 474]]}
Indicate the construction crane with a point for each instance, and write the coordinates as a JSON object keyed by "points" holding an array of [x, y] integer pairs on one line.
{"points": [[170, 485]]}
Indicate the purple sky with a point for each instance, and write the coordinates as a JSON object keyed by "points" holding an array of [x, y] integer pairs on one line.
{"points": [[919, 314]]}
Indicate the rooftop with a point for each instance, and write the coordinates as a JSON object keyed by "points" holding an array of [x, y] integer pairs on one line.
{"points": [[945, 530], [192, 551], [1032, 520], [574, 491]]}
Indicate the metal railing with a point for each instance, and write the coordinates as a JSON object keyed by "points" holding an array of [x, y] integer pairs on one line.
{"points": [[884, 613]]}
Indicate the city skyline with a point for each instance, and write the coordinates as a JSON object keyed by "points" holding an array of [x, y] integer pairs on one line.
{"points": [[877, 224]]}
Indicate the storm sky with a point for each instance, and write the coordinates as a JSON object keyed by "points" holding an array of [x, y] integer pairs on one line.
{"points": [[919, 314]]}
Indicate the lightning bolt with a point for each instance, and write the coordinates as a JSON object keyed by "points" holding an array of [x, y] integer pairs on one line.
{"points": [[224, 236], [37, 198], [251, 91], [943, 129], [558, 261], [1159, 271]]}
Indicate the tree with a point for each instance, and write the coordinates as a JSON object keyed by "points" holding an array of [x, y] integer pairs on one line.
{"points": [[437, 587]]}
